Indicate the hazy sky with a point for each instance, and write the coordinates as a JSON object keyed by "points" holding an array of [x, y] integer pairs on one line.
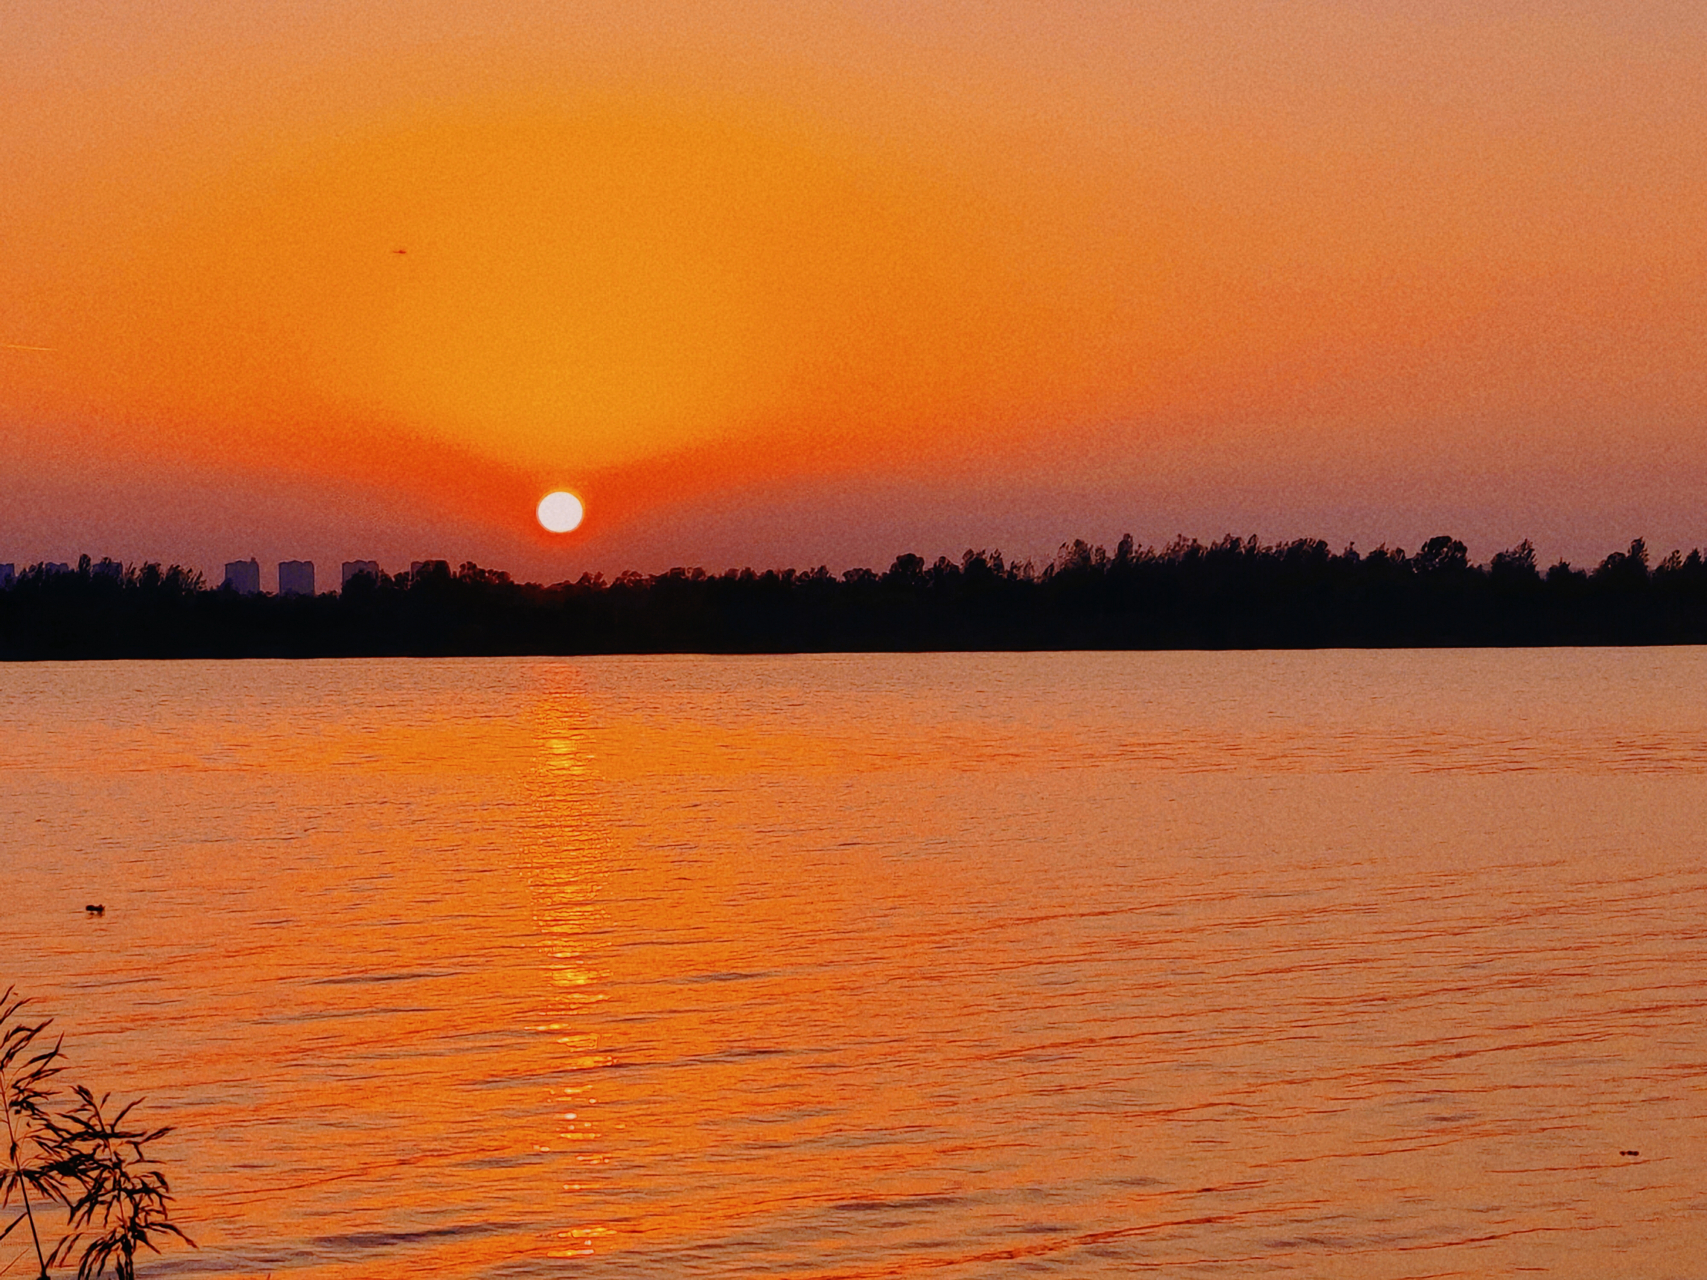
{"points": [[790, 283]]}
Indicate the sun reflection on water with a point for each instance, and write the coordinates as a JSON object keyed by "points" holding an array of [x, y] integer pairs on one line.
{"points": [[567, 860]]}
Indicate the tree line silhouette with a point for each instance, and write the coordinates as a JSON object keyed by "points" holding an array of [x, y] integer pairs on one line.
{"points": [[1234, 593]]}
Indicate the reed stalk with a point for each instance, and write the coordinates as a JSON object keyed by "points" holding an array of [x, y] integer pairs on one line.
{"points": [[78, 1154]]}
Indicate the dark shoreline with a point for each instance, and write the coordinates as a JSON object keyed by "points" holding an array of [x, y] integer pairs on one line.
{"points": [[1234, 594]]}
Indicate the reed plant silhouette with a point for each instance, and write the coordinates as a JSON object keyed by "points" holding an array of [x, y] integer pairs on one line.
{"points": [[77, 1154], [33, 1148]]}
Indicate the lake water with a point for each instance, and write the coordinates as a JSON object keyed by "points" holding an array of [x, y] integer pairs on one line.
{"points": [[1361, 964]]}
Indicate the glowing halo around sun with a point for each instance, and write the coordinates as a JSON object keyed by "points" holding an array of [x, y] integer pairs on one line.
{"points": [[561, 511]]}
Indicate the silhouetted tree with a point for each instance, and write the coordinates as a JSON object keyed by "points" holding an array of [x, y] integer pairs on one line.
{"points": [[1234, 592], [1515, 562]]}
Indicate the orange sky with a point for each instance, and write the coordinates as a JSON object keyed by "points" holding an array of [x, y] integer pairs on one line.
{"points": [[778, 283]]}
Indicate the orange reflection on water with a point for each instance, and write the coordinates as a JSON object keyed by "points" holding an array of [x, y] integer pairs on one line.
{"points": [[1315, 964]]}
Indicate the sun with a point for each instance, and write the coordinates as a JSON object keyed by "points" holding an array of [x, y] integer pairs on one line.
{"points": [[561, 511]]}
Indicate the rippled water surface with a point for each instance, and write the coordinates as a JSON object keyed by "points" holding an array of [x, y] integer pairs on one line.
{"points": [[1312, 964]]}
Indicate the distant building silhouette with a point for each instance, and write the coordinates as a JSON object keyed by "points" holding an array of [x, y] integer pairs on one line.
{"points": [[244, 576], [107, 568], [55, 566], [353, 567], [8, 575], [296, 577]]}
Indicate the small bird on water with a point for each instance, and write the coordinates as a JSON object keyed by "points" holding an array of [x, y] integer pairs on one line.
{"points": [[95, 909]]}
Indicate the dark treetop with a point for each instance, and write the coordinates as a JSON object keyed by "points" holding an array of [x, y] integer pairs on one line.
{"points": [[1237, 593]]}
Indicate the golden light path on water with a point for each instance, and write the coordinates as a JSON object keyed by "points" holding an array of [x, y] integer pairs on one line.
{"points": [[1316, 964]]}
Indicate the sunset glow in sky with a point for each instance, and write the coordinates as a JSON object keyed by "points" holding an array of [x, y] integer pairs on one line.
{"points": [[780, 283]]}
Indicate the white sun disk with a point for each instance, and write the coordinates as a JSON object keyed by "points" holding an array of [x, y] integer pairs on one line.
{"points": [[561, 511]]}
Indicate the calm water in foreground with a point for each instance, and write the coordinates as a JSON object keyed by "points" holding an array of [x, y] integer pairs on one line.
{"points": [[1314, 964]]}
